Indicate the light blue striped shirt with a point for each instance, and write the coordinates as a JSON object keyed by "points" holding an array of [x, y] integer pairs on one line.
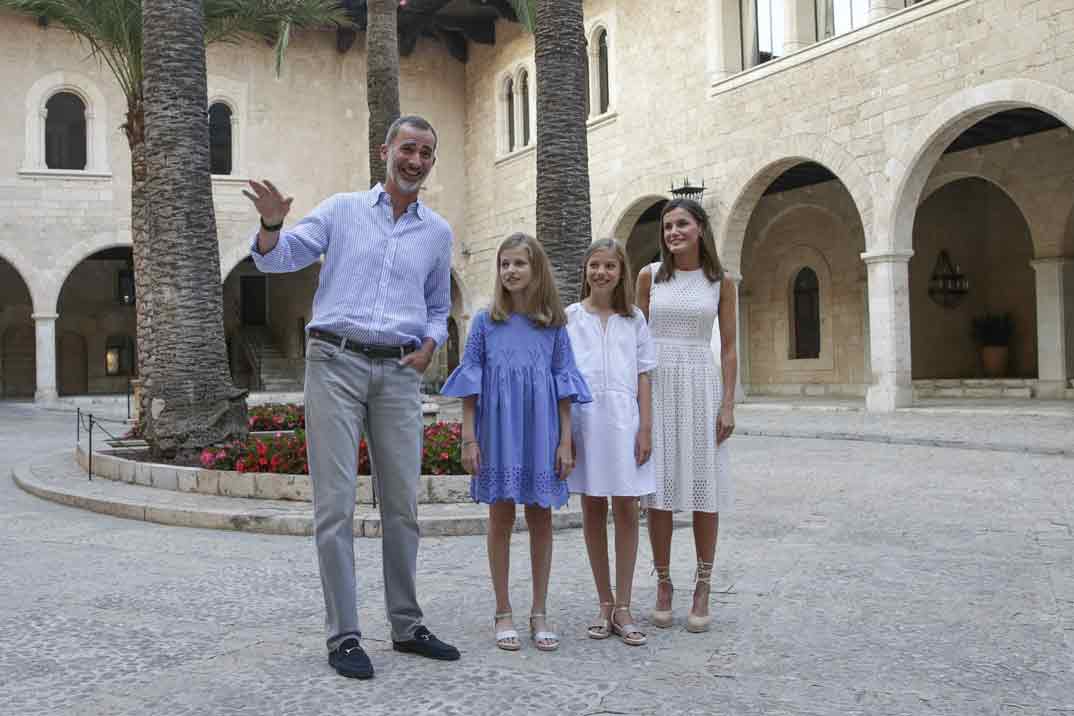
{"points": [[383, 281]]}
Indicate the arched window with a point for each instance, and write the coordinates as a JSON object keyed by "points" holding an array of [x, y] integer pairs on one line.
{"points": [[604, 89], [509, 100], [524, 91], [65, 132], [806, 307], [220, 138]]}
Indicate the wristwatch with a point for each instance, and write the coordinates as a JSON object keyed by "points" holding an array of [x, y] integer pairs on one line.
{"points": [[270, 227]]}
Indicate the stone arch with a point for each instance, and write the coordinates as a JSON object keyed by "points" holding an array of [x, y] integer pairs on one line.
{"points": [[232, 256], [763, 230], [908, 171], [21, 264], [744, 189], [97, 122], [625, 216], [74, 256], [1019, 192]]}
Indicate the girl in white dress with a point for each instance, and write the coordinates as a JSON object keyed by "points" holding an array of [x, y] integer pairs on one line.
{"points": [[693, 409], [612, 435]]}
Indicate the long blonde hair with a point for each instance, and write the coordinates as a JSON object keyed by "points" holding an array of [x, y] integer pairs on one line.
{"points": [[710, 260], [623, 294], [542, 304]]}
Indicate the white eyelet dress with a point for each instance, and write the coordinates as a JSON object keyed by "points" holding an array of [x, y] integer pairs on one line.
{"points": [[692, 474]]}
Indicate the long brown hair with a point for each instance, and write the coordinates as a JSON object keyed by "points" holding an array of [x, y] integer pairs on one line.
{"points": [[710, 261], [543, 305], [623, 294]]}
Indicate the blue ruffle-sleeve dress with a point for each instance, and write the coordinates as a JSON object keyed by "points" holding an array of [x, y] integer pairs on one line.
{"points": [[519, 371]]}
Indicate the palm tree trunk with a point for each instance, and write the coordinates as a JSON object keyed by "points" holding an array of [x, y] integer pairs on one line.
{"points": [[135, 130], [564, 224], [192, 401], [382, 77]]}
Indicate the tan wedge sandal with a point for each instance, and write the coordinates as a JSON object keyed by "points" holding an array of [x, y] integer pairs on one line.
{"points": [[697, 624], [662, 617]]}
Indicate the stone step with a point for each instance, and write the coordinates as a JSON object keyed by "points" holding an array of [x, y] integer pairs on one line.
{"points": [[996, 391], [58, 478]]}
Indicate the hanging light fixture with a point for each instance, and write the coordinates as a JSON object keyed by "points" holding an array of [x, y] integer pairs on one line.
{"points": [[947, 285], [688, 190]]}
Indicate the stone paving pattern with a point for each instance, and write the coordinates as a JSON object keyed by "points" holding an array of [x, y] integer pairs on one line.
{"points": [[853, 578]]}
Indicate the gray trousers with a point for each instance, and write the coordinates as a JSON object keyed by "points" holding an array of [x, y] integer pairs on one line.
{"points": [[347, 393]]}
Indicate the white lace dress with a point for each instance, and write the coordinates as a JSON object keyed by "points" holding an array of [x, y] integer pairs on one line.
{"points": [[692, 474]]}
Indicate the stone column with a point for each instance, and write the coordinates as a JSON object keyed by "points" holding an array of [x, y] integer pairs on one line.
{"points": [[723, 48], [883, 8], [741, 343], [45, 329], [1055, 324], [889, 330], [800, 25]]}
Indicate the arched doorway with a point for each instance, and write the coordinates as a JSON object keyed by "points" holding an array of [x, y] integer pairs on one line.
{"points": [[17, 339], [639, 232], [96, 301], [803, 310], [265, 317], [970, 229], [991, 221]]}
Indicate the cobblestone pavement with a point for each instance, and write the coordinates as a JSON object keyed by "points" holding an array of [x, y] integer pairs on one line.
{"points": [[853, 578]]}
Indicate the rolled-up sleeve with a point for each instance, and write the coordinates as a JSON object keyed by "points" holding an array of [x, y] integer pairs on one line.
{"points": [[438, 297], [300, 245]]}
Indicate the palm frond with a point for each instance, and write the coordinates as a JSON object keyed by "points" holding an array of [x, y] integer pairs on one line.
{"points": [[229, 20], [111, 28], [527, 13]]}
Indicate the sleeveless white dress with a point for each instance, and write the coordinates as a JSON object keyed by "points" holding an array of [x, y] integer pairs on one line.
{"points": [[692, 473]]}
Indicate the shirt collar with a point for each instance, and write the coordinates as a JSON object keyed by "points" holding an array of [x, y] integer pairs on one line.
{"points": [[378, 194]]}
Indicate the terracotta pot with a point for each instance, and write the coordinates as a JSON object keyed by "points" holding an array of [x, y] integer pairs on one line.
{"points": [[994, 361]]}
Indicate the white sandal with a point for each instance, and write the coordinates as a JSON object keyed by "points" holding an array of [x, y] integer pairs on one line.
{"points": [[603, 628], [543, 640], [630, 634], [506, 639]]}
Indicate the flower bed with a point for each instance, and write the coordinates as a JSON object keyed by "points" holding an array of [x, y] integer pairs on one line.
{"points": [[286, 453], [277, 416]]}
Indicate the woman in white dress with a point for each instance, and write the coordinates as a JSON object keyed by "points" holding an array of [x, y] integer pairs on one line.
{"points": [[693, 414], [612, 435]]}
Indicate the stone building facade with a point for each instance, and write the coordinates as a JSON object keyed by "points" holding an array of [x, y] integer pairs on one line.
{"points": [[852, 151]]}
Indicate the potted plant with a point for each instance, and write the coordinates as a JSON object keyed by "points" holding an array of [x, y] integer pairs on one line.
{"points": [[992, 332]]}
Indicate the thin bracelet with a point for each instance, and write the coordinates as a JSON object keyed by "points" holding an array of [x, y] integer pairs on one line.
{"points": [[469, 442]]}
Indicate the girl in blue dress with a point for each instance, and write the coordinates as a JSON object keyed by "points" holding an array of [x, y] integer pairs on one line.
{"points": [[517, 380]]}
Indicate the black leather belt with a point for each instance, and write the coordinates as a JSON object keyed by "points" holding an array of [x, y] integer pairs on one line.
{"points": [[366, 349]]}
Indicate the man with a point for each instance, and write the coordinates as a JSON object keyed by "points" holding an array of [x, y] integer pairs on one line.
{"points": [[380, 311]]}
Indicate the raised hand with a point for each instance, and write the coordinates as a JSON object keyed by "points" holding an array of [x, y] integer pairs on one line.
{"points": [[269, 202]]}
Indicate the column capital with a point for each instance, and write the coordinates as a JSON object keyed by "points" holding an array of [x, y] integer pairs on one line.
{"points": [[886, 257], [1059, 261], [44, 316]]}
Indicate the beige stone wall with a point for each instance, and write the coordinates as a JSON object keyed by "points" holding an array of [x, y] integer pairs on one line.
{"points": [[816, 227], [876, 106], [306, 130]]}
